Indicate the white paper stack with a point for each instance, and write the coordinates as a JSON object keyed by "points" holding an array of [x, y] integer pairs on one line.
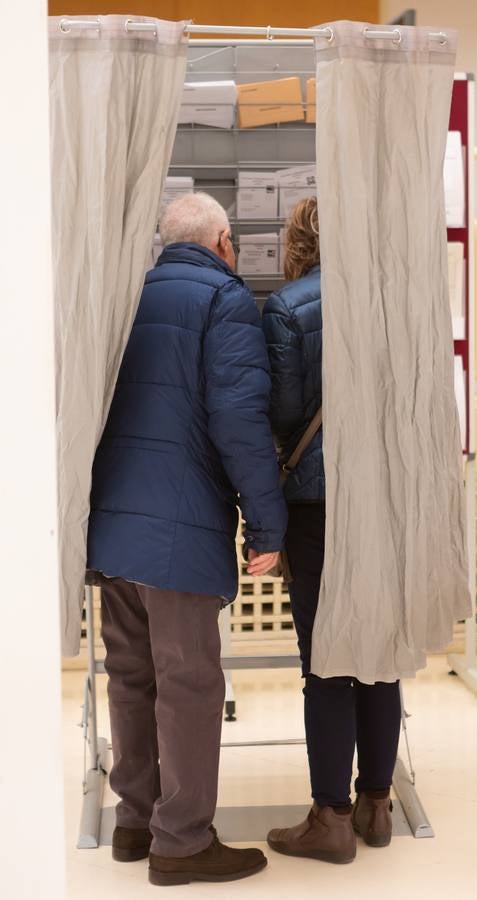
{"points": [[455, 254], [259, 254], [257, 195], [175, 186], [157, 249], [282, 236], [209, 103], [454, 181], [459, 385], [295, 184]]}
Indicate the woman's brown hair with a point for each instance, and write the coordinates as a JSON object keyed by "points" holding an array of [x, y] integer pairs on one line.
{"points": [[302, 245]]}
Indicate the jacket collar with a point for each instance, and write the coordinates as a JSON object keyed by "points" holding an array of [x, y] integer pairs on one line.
{"points": [[193, 254], [315, 270]]}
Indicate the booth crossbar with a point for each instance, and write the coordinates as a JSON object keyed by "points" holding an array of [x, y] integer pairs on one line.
{"points": [[269, 32]]}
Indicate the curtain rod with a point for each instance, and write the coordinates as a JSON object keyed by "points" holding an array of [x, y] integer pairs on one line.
{"points": [[267, 31]]}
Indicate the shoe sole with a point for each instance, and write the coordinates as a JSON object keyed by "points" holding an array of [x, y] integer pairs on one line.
{"points": [[120, 855], [165, 879], [375, 842], [322, 855]]}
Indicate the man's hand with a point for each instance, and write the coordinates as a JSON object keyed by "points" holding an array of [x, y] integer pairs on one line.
{"points": [[261, 563]]}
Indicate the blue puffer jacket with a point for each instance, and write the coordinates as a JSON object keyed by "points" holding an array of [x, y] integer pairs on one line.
{"points": [[293, 331], [187, 433]]}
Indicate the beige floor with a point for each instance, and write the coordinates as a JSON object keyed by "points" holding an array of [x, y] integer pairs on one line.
{"points": [[443, 732]]}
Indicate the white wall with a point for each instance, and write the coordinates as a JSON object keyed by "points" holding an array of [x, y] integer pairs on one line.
{"points": [[31, 798], [460, 14]]}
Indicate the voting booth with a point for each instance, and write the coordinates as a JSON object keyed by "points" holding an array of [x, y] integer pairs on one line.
{"points": [[246, 134]]}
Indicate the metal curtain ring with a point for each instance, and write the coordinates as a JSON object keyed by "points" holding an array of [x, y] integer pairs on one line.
{"points": [[395, 35], [131, 25], [269, 34], [67, 24], [443, 38], [331, 35]]}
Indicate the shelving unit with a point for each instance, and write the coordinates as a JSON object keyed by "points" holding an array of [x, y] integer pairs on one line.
{"points": [[214, 156], [462, 120]]}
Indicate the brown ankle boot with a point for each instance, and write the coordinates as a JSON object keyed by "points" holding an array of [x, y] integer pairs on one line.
{"points": [[216, 863], [131, 844], [372, 820], [324, 835]]}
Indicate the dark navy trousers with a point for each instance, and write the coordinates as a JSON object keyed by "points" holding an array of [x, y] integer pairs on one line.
{"points": [[340, 713]]}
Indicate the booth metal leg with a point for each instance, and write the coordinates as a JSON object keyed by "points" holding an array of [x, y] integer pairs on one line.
{"points": [[410, 802], [225, 624], [404, 783], [94, 778], [404, 717]]}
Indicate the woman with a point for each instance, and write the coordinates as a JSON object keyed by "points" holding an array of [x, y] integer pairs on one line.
{"points": [[340, 713]]}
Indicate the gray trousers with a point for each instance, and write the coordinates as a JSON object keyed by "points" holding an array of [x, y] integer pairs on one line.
{"points": [[166, 695]]}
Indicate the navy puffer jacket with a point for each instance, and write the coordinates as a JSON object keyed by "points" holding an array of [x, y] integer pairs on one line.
{"points": [[293, 330], [188, 435]]}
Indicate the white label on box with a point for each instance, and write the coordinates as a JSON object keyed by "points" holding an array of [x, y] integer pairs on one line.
{"points": [[257, 195], [295, 184], [175, 187], [258, 254]]}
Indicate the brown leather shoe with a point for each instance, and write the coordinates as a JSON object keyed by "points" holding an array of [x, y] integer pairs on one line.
{"points": [[324, 835], [372, 820], [131, 844], [216, 863]]}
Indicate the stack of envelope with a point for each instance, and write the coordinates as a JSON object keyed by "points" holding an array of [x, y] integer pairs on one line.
{"points": [[270, 102], [211, 103]]}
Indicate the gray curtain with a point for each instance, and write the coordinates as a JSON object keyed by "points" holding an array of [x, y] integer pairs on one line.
{"points": [[395, 573], [115, 100]]}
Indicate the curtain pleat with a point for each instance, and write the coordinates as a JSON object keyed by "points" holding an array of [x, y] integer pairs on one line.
{"points": [[114, 101], [395, 572]]}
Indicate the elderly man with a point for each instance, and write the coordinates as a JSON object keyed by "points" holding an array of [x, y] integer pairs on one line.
{"points": [[187, 439]]}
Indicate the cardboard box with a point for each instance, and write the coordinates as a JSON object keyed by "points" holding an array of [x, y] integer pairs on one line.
{"points": [[156, 250], [258, 254], [311, 100], [257, 195], [175, 186], [269, 102], [295, 184], [282, 243]]}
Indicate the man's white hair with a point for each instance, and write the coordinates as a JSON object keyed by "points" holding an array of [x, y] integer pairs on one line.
{"points": [[195, 218]]}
